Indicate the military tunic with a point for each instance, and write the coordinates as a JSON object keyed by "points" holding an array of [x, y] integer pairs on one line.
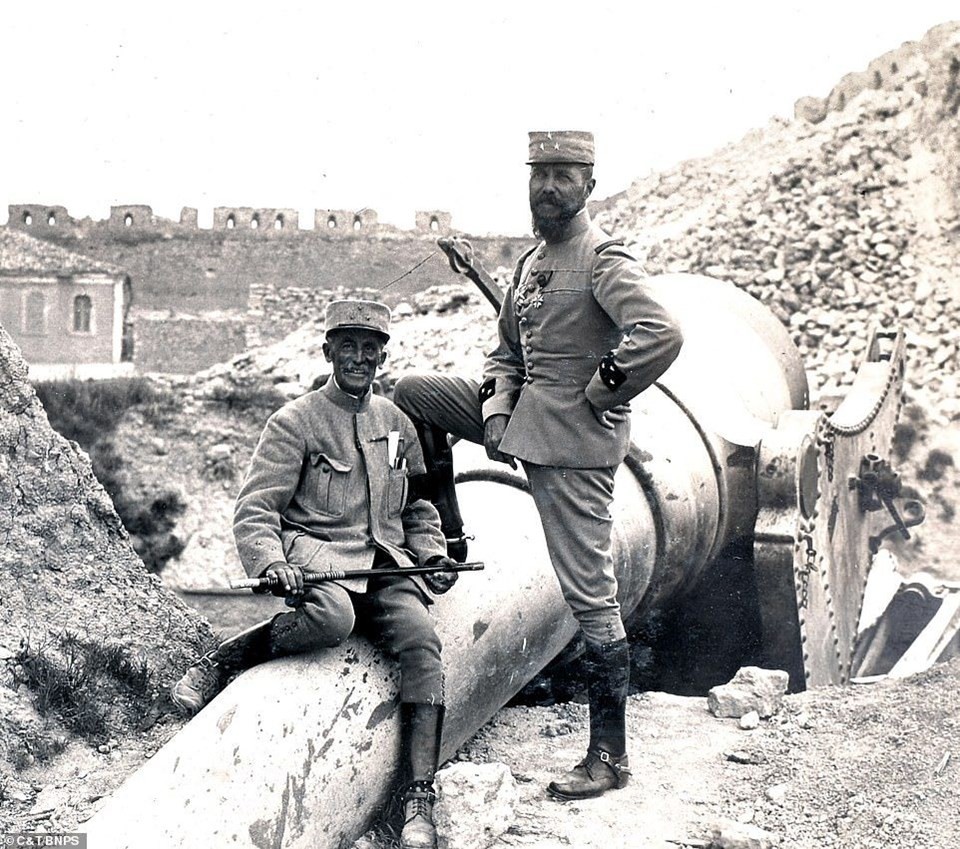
{"points": [[323, 493], [579, 336]]}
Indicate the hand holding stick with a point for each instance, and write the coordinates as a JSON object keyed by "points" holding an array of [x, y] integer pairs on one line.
{"points": [[340, 575]]}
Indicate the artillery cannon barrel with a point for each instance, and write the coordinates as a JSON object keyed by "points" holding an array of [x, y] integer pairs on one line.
{"points": [[302, 751]]}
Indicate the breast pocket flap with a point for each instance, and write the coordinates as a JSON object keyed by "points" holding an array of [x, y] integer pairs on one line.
{"points": [[321, 459]]}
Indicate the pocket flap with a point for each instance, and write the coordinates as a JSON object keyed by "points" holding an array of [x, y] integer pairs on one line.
{"points": [[319, 458]]}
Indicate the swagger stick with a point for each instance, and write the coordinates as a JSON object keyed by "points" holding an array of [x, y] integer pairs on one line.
{"points": [[340, 575]]}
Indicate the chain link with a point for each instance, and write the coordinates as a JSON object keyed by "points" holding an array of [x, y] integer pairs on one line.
{"points": [[826, 433], [827, 426], [805, 537]]}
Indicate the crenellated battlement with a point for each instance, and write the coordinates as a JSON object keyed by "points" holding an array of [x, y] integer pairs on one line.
{"points": [[895, 70], [345, 222], [50, 220]]}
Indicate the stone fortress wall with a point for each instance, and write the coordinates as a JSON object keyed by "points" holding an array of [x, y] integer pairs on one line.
{"points": [[893, 71], [198, 293], [44, 220]]}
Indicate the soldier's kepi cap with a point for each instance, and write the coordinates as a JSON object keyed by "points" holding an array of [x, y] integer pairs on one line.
{"points": [[574, 146], [358, 315]]}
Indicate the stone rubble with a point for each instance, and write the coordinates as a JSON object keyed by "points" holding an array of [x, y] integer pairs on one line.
{"points": [[835, 227], [728, 834], [475, 804], [751, 690]]}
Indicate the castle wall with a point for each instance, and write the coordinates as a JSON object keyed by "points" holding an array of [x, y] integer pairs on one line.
{"points": [[131, 217], [434, 221], [259, 221], [215, 270], [202, 279], [40, 219], [895, 70], [342, 223], [184, 345]]}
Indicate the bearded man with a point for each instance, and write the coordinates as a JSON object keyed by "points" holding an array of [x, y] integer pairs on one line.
{"points": [[579, 337]]}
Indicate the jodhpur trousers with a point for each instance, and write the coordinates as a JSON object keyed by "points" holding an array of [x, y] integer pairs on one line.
{"points": [[574, 504], [392, 613]]}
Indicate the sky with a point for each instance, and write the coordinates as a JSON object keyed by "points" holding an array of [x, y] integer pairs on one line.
{"points": [[398, 106]]}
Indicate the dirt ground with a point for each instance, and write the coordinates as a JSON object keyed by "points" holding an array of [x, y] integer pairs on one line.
{"points": [[866, 766], [869, 766]]}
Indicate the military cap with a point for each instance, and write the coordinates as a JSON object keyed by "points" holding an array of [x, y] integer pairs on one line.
{"points": [[561, 146], [358, 315]]}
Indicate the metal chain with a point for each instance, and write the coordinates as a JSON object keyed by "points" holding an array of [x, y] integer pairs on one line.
{"points": [[827, 432], [825, 441], [809, 565], [852, 430]]}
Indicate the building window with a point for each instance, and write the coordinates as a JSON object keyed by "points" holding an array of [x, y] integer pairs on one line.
{"points": [[34, 314], [357, 223], [255, 222], [27, 218], [82, 314], [278, 224], [434, 223], [231, 222], [51, 219], [128, 220], [332, 223]]}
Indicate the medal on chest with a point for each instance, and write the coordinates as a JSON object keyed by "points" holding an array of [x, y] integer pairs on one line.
{"points": [[530, 291]]}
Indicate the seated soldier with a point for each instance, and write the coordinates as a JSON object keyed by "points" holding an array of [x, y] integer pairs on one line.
{"points": [[327, 489]]}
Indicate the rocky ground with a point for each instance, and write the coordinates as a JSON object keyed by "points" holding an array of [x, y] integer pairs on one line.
{"points": [[868, 766], [834, 226]]}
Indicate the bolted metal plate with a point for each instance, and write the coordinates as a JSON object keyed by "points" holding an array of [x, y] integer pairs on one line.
{"points": [[811, 532]]}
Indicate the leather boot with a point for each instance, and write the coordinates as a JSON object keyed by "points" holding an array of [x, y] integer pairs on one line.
{"points": [[421, 729], [438, 487], [606, 766], [209, 675]]}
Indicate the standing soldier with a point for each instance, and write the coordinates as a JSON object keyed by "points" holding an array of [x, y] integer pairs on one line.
{"points": [[579, 337], [327, 490]]}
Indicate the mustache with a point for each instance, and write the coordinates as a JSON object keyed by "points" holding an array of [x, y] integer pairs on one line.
{"points": [[547, 197]]}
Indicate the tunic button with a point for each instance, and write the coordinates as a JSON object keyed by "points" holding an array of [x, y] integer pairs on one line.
{"points": [[528, 379], [529, 349], [529, 334], [541, 255], [541, 279]]}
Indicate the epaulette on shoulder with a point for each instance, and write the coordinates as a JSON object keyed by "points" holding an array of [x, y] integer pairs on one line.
{"points": [[519, 269], [608, 244]]}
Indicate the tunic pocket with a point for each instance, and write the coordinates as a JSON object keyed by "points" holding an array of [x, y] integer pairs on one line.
{"points": [[396, 491], [332, 477]]}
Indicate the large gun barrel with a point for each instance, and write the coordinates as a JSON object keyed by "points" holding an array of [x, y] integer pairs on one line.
{"points": [[302, 751]]}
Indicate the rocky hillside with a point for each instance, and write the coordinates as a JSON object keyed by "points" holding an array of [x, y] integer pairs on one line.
{"points": [[834, 225], [88, 639], [838, 226]]}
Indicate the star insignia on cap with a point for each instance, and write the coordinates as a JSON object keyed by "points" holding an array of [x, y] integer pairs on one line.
{"points": [[556, 145]]}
